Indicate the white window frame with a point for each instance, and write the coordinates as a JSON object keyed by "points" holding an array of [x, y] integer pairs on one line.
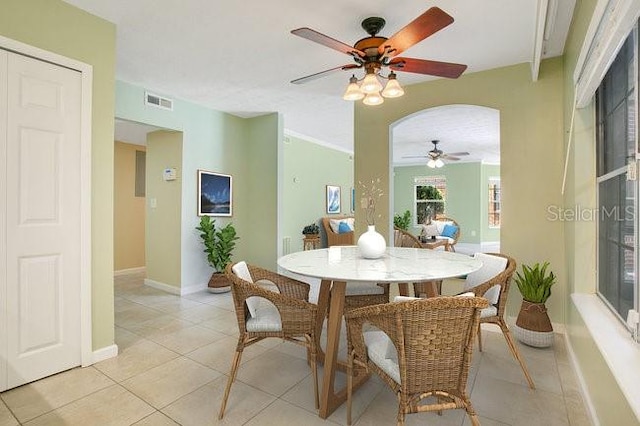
{"points": [[437, 181], [493, 180]]}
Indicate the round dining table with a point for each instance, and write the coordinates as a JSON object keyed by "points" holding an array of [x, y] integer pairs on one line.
{"points": [[337, 265]]}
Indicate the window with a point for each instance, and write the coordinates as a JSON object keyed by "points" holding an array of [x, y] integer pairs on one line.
{"points": [[429, 197], [494, 202], [616, 117]]}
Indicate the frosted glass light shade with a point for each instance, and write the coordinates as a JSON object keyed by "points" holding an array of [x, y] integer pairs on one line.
{"points": [[393, 88], [353, 93], [370, 84], [439, 163], [431, 163], [373, 99]]}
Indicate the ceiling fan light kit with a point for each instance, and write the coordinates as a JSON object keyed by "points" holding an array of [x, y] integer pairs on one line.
{"points": [[374, 53], [436, 155]]}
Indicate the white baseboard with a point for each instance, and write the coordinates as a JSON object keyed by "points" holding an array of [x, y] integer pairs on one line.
{"points": [[179, 291], [582, 384], [193, 288], [129, 271], [105, 353], [162, 286]]}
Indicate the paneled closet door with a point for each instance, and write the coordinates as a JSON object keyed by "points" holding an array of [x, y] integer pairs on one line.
{"points": [[41, 219]]}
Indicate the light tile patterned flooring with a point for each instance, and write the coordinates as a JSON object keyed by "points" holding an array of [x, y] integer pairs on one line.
{"points": [[174, 354]]}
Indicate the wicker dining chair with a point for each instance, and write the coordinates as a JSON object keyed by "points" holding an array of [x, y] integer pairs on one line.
{"points": [[422, 348], [493, 281], [402, 238], [283, 312]]}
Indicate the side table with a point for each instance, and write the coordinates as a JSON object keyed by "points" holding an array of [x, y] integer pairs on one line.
{"points": [[431, 244], [311, 243]]}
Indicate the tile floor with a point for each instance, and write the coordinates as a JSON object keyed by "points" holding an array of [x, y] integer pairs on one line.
{"points": [[175, 354]]}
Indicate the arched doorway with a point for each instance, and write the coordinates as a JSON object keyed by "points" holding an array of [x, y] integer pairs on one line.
{"points": [[468, 179]]}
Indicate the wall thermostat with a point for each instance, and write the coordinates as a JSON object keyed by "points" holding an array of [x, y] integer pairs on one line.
{"points": [[170, 173]]}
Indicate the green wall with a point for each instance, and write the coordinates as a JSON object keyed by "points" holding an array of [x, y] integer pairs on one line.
{"points": [[63, 29], [531, 135], [466, 200], [605, 394], [259, 229], [164, 203], [215, 141], [308, 168]]}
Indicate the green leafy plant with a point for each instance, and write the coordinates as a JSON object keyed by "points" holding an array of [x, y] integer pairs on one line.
{"points": [[218, 243], [402, 221], [311, 229], [535, 283]]}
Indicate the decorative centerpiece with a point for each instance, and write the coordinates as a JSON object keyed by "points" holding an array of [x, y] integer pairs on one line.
{"points": [[218, 244], [371, 244], [533, 326]]}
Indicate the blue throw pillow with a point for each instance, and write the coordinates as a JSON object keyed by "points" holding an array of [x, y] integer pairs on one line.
{"points": [[343, 228], [449, 231]]}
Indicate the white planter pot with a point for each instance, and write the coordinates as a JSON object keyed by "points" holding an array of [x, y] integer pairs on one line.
{"points": [[538, 339]]}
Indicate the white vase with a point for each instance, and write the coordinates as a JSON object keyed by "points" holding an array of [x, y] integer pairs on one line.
{"points": [[371, 244]]}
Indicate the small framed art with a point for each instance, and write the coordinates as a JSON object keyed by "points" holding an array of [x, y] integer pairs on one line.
{"points": [[333, 199]]}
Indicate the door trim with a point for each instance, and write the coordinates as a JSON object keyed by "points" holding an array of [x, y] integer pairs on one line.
{"points": [[86, 72]]}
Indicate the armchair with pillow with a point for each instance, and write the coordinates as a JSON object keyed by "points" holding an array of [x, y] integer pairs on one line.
{"points": [[443, 228], [339, 230]]}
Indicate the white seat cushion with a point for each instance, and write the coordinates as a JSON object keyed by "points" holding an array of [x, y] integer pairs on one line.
{"points": [[491, 266], [450, 240], [242, 271], [377, 343], [489, 312], [362, 288], [266, 318]]}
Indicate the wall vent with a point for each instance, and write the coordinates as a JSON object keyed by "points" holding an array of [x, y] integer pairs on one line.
{"points": [[158, 101]]}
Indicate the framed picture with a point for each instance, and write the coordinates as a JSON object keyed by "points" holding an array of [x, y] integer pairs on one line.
{"points": [[333, 199], [215, 194]]}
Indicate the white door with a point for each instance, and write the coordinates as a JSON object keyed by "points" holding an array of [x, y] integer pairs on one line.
{"points": [[41, 157]]}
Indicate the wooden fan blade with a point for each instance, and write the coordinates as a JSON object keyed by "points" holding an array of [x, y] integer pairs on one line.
{"points": [[448, 157], [415, 156], [323, 73], [430, 22], [324, 40], [423, 66], [457, 154]]}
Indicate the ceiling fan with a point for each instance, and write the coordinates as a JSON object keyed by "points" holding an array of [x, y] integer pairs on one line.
{"points": [[436, 156], [374, 53]]}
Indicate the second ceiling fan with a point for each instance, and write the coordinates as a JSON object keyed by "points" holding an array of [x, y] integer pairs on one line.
{"points": [[436, 155], [374, 53]]}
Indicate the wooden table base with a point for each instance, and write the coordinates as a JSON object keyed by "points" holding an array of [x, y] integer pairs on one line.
{"points": [[333, 295]]}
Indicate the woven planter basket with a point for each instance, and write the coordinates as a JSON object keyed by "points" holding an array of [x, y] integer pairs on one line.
{"points": [[534, 317], [533, 326], [218, 283]]}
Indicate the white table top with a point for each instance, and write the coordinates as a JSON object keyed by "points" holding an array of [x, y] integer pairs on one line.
{"points": [[398, 264]]}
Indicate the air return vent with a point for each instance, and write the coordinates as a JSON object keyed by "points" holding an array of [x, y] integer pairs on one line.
{"points": [[158, 101]]}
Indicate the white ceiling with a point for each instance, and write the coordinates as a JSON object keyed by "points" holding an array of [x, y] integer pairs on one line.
{"points": [[240, 57]]}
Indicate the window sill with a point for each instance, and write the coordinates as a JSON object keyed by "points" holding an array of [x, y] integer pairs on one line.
{"points": [[620, 352]]}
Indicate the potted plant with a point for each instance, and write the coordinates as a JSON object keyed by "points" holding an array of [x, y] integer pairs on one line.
{"points": [[311, 231], [402, 221], [218, 244], [533, 326]]}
